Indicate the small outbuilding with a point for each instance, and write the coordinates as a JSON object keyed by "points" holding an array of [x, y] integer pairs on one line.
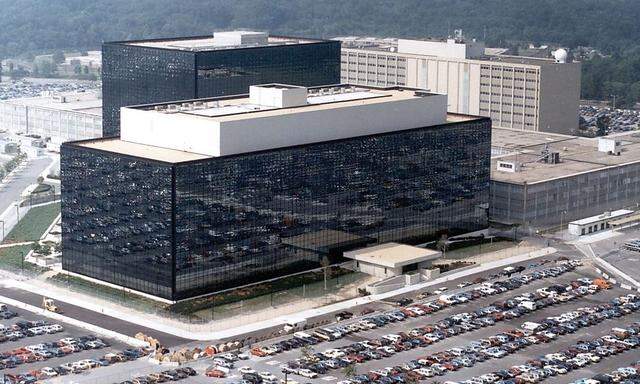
{"points": [[391, 259]]}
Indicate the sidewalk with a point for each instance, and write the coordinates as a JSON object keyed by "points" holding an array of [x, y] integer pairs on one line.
{"points": [[206, 332]]}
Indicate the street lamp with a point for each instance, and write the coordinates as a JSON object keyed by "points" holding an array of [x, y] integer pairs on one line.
{"points": [[562, 213]]}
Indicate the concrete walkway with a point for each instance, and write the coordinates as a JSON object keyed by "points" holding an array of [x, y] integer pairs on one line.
{"points": [[588, 251], [204, 332], [9, 245]]}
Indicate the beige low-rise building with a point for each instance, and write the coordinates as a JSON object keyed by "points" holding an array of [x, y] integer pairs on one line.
{"points": [[391, 259], [523, 93]]}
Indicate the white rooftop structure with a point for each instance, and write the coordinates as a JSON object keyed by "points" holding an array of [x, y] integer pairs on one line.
{"points": [[605, 216], [278, 115], [221, 40], [596, 223], [456, 47]]}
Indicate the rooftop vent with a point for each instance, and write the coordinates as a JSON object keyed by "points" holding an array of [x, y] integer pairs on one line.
{"points": [[278, 95], [609, 146], [233, 38]]}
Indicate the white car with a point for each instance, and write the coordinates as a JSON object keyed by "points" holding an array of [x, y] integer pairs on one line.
{"points": [[229, 356], [268, 376], [49, 372], [307, 373], [245, 370]]}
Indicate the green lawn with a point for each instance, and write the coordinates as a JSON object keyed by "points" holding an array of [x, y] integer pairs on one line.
{"points": [[11, 259], [78, 284], [34, 223]]}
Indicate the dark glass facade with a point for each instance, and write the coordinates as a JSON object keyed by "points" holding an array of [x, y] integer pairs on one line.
{"points": [[179, 230], [134, 74]]}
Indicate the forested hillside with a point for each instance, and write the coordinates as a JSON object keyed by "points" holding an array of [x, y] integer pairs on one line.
{"points": [[29, 26], [52, 24]]}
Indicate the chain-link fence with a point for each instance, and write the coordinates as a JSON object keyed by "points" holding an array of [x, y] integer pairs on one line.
{"points": [[228, 308]]}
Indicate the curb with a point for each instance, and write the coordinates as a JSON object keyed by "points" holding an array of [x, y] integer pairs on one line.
{"points": [[80, 324], [278, 321]]}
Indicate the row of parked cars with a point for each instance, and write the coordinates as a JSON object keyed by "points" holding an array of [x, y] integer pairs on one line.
{"points": [[44, 351], [25, 328], [177, 374], [316, 336], [85, 342], [6, 313], [629, 374], [222, 363], [577, 356], [422, 336]]}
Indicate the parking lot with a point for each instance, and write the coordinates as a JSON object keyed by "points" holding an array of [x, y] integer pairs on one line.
{"points": [[31, 343], [273, 364], [271, 367]]}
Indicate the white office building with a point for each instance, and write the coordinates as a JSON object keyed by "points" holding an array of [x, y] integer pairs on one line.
{"points": [[516, 92], [58, 117]]}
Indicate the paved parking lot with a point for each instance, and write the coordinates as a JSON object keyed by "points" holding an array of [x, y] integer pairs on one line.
{"points": [[69, 331], [272, 363], [122, 372]]}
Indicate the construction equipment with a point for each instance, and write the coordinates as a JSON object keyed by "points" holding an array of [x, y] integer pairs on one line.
{"points": [[50, 305]]}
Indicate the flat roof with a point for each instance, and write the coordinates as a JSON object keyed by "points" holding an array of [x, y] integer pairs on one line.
{"points": [[577, 155], [390, 45], [208, 43], [150, 152], [320, 98], [89, 102], [392, 255], [609, 215]]}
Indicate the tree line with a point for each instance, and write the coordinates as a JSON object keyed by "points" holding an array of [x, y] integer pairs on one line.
{"points": [[35, 26]]}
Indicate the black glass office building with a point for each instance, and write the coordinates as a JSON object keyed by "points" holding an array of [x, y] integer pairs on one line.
{"points": [[150, 71], [180, 229]]}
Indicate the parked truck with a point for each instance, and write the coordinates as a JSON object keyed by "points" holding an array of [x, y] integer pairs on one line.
{"points": [[50, 305]]}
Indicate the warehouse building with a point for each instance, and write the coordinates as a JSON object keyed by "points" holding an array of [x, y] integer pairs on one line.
{"points": [[57, 116], [257, 186], [546, 180], [531, 94], [223, 64]]}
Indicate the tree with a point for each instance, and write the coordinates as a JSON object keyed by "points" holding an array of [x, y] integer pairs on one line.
{"points": [[46, 250], [443, 244], [40, 179], [350, 371], [307, 352], [36, 247], [58, 57], [602, 123], [326, 269]]}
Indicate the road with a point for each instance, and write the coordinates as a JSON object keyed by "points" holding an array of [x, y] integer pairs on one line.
{"points": [[27, 175], [118, 325], [11, 190]]}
